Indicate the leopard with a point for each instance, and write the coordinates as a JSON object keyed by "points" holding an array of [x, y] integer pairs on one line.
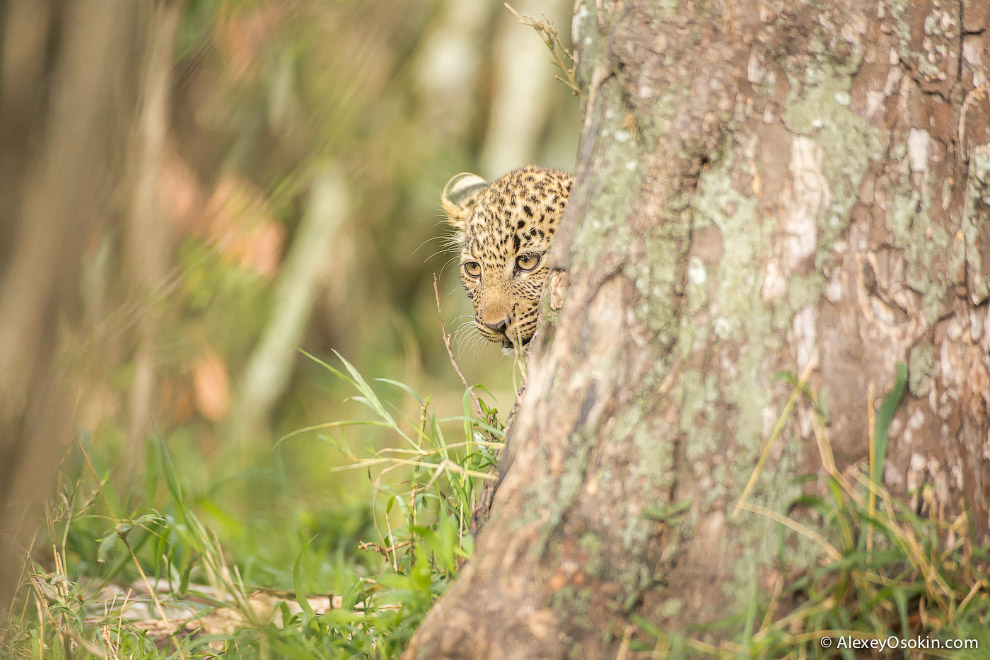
{"points": [[503, 231]]}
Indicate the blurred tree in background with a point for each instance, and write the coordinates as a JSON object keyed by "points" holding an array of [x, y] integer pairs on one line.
{"points": [[191, 190]]}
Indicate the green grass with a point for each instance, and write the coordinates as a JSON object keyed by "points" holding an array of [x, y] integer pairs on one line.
{"points": [[882, 571], [285, 577], [116, 571]]}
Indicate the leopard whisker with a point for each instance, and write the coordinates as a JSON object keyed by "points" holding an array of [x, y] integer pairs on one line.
{"points": [[432, 239]]}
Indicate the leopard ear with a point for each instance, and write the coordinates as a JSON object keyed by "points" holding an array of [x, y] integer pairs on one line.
{"points": [[459, 197]]}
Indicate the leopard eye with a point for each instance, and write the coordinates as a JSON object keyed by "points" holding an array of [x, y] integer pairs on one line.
{"points": [[472, 268], [527, 261]]}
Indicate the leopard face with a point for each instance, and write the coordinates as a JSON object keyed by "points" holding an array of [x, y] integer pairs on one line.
{"points": [[504, 230]]}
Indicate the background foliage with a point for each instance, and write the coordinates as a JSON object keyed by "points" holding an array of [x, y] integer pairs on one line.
{"points": [[304, 147]]}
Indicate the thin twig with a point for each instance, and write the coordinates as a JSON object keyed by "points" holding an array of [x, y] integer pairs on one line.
{"points": [[559, 54], [450, 351], [396, 462], [871, 422], [971, 99], [778, 429], [834, 554]]}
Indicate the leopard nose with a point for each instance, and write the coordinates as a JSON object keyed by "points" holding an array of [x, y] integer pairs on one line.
{"points": [[498, 327]]}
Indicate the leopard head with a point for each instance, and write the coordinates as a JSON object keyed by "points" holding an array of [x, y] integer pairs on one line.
{"points": [[504, 230]]}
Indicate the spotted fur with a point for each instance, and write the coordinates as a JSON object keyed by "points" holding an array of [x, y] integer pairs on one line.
{"points": [[504, 230]]}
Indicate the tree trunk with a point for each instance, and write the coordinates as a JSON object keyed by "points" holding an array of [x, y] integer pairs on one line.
{"points": [[761, 187], [68, 97], [147, 244]]}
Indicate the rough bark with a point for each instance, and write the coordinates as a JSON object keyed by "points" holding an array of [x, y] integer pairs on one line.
{"points": [[761, 187]]}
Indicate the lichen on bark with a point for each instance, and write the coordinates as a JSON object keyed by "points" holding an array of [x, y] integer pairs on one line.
{"points": [[756, 193]]}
